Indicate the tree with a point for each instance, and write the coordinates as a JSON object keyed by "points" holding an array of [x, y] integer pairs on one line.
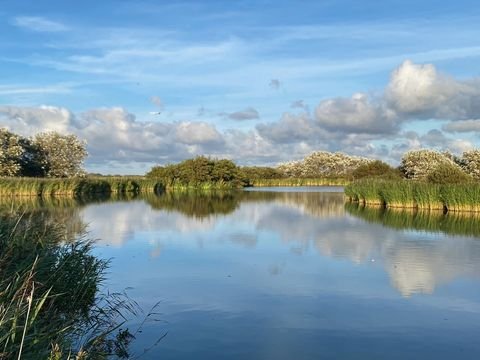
{"points": [[60, 155], [11, 153], [376, 168], [418, 164], [470, 162]]}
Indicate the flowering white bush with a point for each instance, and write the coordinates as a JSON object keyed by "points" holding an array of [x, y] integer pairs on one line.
{"points": [[418, 164], [11, 153], [470, 163], [323, 164], [60, 155]]}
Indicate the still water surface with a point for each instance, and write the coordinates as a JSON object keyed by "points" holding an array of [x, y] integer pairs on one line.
{"points": [[292, 274]]}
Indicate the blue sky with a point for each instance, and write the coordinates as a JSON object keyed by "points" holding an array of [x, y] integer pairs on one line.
{"points": [[257, 81]]}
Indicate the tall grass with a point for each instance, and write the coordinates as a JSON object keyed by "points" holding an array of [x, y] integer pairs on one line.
{"points": [[299, 182], [77, 187], [415, 194], [50, 305]]}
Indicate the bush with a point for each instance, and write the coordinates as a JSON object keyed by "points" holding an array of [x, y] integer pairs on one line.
{"points": [[448, 174], [376, 168]]}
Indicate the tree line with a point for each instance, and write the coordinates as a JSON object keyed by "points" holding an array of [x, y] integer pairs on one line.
{"points": [[47, 154]]}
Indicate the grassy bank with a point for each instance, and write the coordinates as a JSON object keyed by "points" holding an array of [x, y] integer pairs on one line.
{"points": [[76, 187], [418, 195], [299, 182]]}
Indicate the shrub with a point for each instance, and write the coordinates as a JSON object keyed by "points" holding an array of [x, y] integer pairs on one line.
{"points": [[418, 164], [448, 174], [376, 168]]}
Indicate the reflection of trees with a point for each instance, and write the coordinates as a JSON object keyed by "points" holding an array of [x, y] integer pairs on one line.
{"points": [[49, 290], [200, 204], [466, 224]]}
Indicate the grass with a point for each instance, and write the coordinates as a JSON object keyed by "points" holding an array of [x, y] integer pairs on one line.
{"points": [[299, 182], [77, 187], [414, 194], [50, 304]]}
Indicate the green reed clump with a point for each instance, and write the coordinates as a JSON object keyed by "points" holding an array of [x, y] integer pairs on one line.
{"points": [[50, 305], [397, 193], [366, 191], [428, 196], [416, 194], [299, 182], [461, 197]]}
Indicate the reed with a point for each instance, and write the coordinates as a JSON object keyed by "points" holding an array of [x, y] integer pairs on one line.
{"points": [[299, 182], [77, 187], [50, 304], [416, 194]]}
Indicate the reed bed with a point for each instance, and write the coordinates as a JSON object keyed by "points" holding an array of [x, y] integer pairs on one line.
{"points": [[77, 187], [417, 195], [299, 182]]}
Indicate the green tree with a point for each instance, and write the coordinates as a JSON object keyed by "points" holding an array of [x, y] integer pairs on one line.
{"points": [[375, 168], [60, 155]]}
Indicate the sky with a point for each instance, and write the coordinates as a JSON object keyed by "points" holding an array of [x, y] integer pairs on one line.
{"points": [[260, 82]]}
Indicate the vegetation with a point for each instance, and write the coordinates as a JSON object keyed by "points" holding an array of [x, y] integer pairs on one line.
{"points": [[50, 303], [448, 174], [201, 173], [377, 169], [413, 194], [46, 155], [299, 182], [76, 187], [323, 164]]}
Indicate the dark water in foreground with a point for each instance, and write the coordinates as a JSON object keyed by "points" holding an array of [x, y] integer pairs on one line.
{"points": [[291, 274]]}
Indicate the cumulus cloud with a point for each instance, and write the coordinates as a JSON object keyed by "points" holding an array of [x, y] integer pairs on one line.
{"points": [[420, 91], [248, 113], [31, 120], [39, 24], [357, 114]]}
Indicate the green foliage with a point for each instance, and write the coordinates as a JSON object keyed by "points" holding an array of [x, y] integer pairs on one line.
{"points": [[48, 154], [414, 194], [377, 169], [448, 174], [49, 293], [77, 187], [200, 172], [253, 173]]}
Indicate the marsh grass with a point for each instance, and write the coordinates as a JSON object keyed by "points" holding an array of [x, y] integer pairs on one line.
{"points": [[416, 194], [299, 182], [77, 187], [50, 303]]}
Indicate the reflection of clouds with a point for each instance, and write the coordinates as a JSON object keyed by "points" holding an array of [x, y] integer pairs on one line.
{"points": [[116, 223], [416, 262]]}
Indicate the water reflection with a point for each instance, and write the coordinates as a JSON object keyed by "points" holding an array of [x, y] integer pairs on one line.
{"points": [[289, 267]]}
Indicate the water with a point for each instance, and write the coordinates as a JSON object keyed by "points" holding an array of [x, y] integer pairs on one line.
{"points": [[290, 273]]}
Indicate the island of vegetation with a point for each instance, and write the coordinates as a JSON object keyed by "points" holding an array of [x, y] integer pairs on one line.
{"points": [[50, 164]]}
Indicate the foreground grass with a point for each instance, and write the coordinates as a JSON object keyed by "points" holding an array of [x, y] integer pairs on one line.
{"points": [[77, 187], [418, 195], [50, 304]]}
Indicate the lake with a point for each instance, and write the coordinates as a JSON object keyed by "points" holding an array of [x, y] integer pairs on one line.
{"points": [[289, 273]]}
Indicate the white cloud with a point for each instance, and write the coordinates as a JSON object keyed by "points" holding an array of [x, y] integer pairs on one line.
{"points": [[39, 24]]}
